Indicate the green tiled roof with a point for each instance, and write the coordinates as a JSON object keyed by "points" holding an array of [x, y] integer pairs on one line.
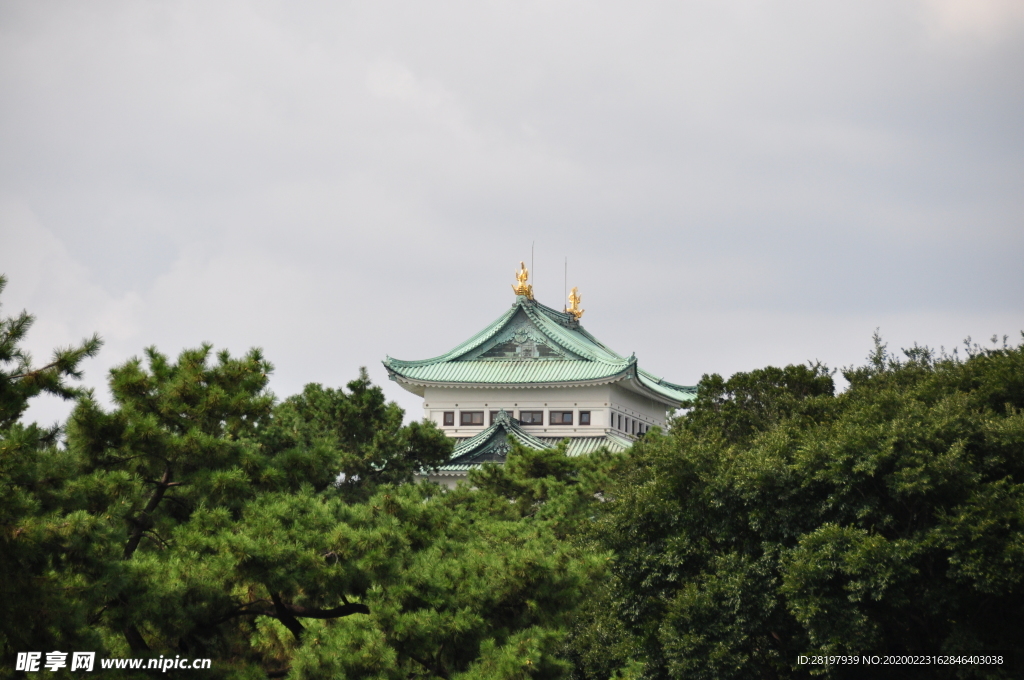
{"points": [[492, 445], [531, 345], [581, 446]]}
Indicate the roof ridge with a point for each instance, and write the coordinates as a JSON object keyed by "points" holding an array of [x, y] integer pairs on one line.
{"points": [[573, 324], [483, 336], [539, 318], [540, 322]]}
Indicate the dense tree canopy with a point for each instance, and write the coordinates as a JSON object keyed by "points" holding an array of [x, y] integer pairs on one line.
{"points": [[778, 518], [194, 517], [197, 516], [354, 434]]}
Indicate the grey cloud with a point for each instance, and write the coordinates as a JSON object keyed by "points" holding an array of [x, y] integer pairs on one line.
{"points": [[734, 183]]}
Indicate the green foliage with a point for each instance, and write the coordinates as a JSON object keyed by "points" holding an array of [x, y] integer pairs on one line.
{"points": [[229, 510], [566, 494], [51, 545], [20, 381], [196, 516], [778, 519], [471, 596], [323, 432], [748, 403]]}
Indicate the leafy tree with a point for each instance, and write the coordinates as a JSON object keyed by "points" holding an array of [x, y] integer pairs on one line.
{"points": [[777, 519], [748, 403]]}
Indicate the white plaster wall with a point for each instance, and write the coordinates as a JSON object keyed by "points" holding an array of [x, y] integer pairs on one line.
{"points": [[601, 400], [637, 406], [448, 481]]}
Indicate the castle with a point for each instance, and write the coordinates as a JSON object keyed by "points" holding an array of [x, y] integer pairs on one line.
{"points": [[536, 375]]}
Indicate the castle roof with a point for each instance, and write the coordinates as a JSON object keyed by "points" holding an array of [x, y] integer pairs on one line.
{"points": [[533, 345], [492, 445]]}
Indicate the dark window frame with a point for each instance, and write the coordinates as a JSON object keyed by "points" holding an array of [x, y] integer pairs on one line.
{"points": [[561, 414], [448, 419], [471, 414], [524, 414], [584, 418]]}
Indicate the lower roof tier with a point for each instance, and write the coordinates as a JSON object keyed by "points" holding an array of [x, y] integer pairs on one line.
{"points": [[493, 444]]}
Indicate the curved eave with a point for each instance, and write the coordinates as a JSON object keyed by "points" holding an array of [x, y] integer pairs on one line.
{"points": [[467, 346], [658, 390], [579, 446], [633, 379], [416, 386]]}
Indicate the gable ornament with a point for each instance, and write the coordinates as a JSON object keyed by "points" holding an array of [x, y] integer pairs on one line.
{"points": [[522, 276], [574, 303]]}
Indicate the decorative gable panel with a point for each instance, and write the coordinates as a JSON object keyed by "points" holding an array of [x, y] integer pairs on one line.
{"points": [[520, 340]]}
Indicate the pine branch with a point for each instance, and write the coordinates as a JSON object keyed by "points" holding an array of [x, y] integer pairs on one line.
{"points": [[286, 617], [289, 614], [142, 521], [335, 613], [135, 640], [35, 372], [436, 670], [153, 536]]}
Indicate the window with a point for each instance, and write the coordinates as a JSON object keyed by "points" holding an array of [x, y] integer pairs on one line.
{"points": [[531, 417], [620, 421], [471, 417], [560, 418], [584, 417], [449, 418], [491, 416]]}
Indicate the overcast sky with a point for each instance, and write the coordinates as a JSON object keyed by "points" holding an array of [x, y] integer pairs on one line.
{"points": [[735, 184]]}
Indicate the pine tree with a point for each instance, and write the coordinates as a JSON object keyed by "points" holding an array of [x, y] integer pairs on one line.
{"points": [[195, 517], [52, 546]]}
